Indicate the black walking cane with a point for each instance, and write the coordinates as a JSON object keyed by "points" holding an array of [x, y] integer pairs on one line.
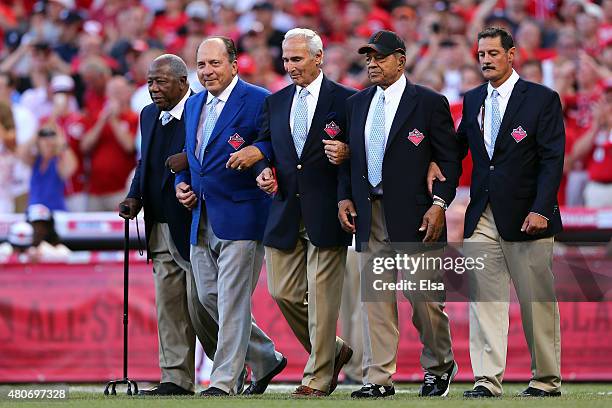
{"points": [[126, 268]]}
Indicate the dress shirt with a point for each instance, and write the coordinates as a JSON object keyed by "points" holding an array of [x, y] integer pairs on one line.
{"points": [[314, 88]]}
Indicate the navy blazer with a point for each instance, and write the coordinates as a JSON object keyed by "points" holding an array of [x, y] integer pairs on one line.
{"points": [[307, 186], [422, 131], [236, 207], [527, 164], [179, 218]]}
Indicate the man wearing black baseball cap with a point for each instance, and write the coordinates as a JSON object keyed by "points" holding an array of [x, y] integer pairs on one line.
{"points": [[396, 129]]}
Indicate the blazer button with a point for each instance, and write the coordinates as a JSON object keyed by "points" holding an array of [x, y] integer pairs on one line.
{"points": [[491, 167], [299, 167], [369, 199], [364, 177], [297, 195]]}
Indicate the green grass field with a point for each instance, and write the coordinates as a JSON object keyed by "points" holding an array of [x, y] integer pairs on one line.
{"points": [[90, 396]]}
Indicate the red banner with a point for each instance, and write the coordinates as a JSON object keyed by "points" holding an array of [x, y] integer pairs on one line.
{"points": [[63, 322]]}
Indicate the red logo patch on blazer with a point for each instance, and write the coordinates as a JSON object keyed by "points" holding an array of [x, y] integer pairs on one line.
{"points": [[332, 129], [236, 141], [416, 137], [519, 134]]}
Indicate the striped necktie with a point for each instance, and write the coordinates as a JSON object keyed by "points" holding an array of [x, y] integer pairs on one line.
{"points": [[495, 121]]}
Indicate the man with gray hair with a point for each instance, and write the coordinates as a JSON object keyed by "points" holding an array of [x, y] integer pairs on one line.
{"points": [[305, 246], [179, 313]]}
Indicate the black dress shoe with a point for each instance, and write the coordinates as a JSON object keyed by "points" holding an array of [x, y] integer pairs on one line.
{"points": [[478, 392], [166, 388], [213, 392], [374, 391], [535, 392], [259, 386]]}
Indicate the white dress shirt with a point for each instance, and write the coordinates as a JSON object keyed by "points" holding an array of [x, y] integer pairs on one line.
{"points": [[177, 111], [393, 95], [314, 88], [505, 90], [223, 97]]}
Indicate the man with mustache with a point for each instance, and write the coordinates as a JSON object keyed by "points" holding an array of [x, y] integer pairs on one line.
{"points": [[514, 130], [396, 129]]}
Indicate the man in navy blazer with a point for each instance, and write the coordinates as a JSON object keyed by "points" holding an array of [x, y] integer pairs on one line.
{"points": [[179, 311], [514, 130], [228, 216], [395, 130], [305, 245]]}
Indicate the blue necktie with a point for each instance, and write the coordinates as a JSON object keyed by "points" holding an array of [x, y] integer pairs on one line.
{"points": [[300, 122], [166, 117], [209, 125], [495, 120], [376, 148]]}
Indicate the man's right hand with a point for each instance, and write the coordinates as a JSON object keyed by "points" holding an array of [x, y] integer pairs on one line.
{"points": [[266, 181], [177, 162], [346, 215], [129, 207], [185, 195]]}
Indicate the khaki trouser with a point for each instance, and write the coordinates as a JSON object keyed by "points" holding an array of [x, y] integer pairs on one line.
{"points": [[380, 317], [529, 266], [351, 316], [179, 312], [306, 283]]}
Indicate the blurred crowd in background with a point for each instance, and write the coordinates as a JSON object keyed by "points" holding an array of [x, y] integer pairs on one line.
{"points": [[73, 76]]}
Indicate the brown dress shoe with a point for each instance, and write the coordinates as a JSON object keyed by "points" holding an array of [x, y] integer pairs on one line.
{"points": [[305, 391], [341, 359]]}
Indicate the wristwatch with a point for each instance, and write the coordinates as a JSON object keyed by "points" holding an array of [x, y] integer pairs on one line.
{"points": [[440, 203]]}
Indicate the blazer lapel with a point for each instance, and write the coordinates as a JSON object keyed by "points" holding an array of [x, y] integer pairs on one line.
{"points": [[191, 126], [515, 102], [323, 104], [146, 133], [407, 104], [233, 105], [283, 118], [361, 113], [480, 99]]}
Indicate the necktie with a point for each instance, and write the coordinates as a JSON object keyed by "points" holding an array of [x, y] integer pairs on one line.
{"points": [[495, 120], [300, 122], [209, 125], [166, 117], [376, 149]]}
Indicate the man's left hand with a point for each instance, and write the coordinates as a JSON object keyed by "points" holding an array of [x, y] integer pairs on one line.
{"points": [[177, 162], [244, 158], [336, 151], [433, 223], [534, 224]]}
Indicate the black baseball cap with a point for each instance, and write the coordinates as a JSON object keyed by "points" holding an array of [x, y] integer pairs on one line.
{"points": [[384, 42]]}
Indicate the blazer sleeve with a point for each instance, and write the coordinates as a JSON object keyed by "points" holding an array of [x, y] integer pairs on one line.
{"points": [[135, 188], [344, 169], [550, 142], [446, 151], [264, 140]]}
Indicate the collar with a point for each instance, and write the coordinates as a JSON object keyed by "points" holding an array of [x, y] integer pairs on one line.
{"points": [[506, 88], [314, 88], [224, 96], [177, 111], [394, 91]]}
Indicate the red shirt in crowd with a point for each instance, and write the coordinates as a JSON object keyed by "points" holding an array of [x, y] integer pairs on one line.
{"points": [[110, 164], [466, 174], [600, 163]]}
